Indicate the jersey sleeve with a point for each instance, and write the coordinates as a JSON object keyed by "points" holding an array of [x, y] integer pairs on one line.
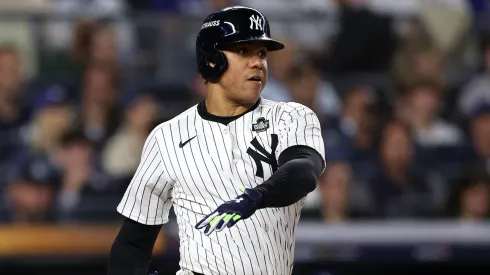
{"points": [[299, 125], [147, 199]]}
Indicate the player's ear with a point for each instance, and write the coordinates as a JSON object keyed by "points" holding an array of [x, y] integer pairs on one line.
{"points": [[211, 64]]}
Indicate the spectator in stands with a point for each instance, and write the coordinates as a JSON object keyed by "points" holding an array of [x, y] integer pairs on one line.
{"points": [[67, 66], [103, 46], [59, 32], [424, 99], [340, 198], [121, 155], [365, 43], [351, 137], [280, 64], [13, 112], [418, 58], [98, 113], [470, 199], [29, 197], [397, 187], [480, 133], [92, 42], [307, 87], [52, 118], [477, 90], [80, 172]]}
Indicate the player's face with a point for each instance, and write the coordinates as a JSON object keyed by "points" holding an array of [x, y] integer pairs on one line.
{"points": [[246, 75]]}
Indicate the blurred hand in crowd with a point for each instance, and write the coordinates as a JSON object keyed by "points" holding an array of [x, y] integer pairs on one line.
{"points": [[75, 160]]}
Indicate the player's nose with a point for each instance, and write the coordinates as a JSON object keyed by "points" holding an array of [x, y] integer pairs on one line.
{"points": [[256, 62]]}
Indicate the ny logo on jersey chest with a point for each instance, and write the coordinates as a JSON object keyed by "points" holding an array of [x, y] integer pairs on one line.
{"points": [[260, 155]]}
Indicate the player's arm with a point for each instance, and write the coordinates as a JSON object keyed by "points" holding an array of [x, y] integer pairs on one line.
{"points": [[131, 251], [145, 205], [299, 169], [301, 158]]}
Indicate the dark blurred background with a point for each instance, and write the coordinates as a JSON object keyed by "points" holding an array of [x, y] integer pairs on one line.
{"points": [[402, 89]]}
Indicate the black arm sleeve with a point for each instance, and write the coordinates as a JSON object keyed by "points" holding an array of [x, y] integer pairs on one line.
{"points": [[298, 173], [132, 249]]}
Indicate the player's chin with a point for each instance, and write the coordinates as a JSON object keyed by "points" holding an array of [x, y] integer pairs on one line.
{"points": [[252, 90]]}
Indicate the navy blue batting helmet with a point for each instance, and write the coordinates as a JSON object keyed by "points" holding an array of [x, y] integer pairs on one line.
{"points": [[227, 27]]}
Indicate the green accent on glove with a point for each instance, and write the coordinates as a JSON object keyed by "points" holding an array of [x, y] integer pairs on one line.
{"points": [[214, 220], [227, 217], [236, 217]]}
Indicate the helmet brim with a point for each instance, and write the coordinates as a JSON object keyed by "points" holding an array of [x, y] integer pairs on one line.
{"points": [[270, 44]]}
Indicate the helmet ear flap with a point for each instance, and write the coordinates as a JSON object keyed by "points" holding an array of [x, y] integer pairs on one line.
{"points": [[220, 62]]}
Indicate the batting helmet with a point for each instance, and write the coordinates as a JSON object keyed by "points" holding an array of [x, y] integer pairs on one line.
{"points": [[226, 27]]}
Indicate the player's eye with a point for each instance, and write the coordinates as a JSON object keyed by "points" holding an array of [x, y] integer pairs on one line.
{"points": [[263, 53], [243, 51]]}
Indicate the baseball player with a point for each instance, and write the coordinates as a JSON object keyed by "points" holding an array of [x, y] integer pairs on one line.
{"points": [[235, 167]]}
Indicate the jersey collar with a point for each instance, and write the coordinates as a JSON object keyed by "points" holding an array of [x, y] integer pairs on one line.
{"points": [[203, 112]]}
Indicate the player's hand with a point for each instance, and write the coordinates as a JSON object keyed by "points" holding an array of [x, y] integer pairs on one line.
{"points": [[230, 212]]}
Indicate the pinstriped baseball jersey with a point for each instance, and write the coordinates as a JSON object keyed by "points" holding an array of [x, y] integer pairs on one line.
{"points": [[196, 164]]}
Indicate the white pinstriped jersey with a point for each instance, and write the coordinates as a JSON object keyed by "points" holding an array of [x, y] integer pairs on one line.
{"points": [[195, 165]]}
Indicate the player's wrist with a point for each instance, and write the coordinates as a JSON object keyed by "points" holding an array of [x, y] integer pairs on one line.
{"points": [[256, 196]]}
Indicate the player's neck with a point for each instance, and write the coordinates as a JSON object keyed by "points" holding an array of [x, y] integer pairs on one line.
{"points": [[218, 104]]}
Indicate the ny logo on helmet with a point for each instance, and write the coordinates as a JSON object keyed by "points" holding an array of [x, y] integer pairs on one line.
{"points": [[257, 21]]}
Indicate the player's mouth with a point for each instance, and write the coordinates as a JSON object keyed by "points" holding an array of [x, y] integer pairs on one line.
{"points": [[255, 78]]}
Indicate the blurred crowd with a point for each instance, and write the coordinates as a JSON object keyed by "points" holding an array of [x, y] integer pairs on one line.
{"points": [[404, 104]]}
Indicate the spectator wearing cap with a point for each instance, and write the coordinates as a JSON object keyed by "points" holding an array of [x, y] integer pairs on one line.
{"points": [[29, 197], [120, 156], [52, 118]]}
